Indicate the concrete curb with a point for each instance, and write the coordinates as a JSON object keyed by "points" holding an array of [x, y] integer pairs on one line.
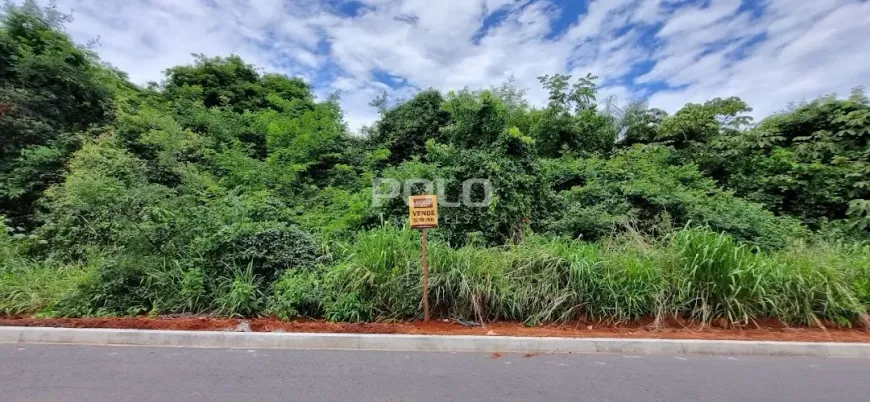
{"points": [[426, 343]]}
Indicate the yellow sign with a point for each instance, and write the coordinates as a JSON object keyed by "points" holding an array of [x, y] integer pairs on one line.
{"points": [[424, 211]]}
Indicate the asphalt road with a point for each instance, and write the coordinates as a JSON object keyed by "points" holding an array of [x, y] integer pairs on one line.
{"points": [[85, 373]]}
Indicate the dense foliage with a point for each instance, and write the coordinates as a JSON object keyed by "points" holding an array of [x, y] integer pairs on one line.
{"points": [[224, 189]]}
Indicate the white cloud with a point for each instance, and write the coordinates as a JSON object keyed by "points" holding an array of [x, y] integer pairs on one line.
{"points": [[595, 19], [793, 50], [686, 21], [649, 12], [807, 52]]}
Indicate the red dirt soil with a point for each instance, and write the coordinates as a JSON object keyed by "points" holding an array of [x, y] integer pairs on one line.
{"points": [[769, 331]]}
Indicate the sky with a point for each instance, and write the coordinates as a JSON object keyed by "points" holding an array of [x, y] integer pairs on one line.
{"points": [[670, 52]]}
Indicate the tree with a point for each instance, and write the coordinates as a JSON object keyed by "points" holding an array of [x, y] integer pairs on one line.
{"points": [[230, 82], [696, 125], [478, 144], [406, 128], [570, 123], [811, 163], [52, 93], [636, 123]]}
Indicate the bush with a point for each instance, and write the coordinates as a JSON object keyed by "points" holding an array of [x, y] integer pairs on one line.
{"points": [[100, 203], [645, 185], [268, 247], [114, 288], [297, 294]]}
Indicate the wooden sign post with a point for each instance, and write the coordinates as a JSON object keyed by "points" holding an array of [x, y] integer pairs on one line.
{"points": [[424, 215]]}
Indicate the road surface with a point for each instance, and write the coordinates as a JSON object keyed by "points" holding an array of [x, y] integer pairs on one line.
{"points": [[97, 373]]}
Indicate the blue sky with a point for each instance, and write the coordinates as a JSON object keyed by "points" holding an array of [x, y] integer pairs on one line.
{"points": [[670, 52]]}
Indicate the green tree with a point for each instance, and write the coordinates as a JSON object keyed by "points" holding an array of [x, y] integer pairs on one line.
{"points": [[230, 82], [406, 128], [811, 162], [570, 124], [52, 93], [696, 125], [636, 123], [479, 144]]}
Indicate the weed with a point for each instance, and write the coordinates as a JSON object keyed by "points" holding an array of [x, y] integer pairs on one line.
{"points": [[239, 296]]}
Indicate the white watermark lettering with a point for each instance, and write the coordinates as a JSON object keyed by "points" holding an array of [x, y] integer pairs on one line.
{"points": [[467, 189], [378, 195], [385, 189]]}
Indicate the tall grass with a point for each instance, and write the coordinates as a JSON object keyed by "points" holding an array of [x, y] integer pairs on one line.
{"points": [[470, 283], [714, 277], [694, 274], [820, 282], [29, 286], [239, 296], [378, 277]]}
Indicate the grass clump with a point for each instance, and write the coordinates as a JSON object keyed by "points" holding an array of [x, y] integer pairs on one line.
{"points": [[240, 295], [627, 286], [29, 287], [693, 274], [820, 282], [470, 283], [714, 277], [378, 277]]}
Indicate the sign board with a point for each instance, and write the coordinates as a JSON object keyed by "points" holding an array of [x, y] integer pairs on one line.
{"points": [[424, 211], [424, 215]]}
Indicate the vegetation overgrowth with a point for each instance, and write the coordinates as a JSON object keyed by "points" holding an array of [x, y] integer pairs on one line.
{"points": [[230, 191]]}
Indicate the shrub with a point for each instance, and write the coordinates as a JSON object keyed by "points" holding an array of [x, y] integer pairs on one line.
{"points": [[644, 184], [114, 288], [268, 247], [297, 294]]}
